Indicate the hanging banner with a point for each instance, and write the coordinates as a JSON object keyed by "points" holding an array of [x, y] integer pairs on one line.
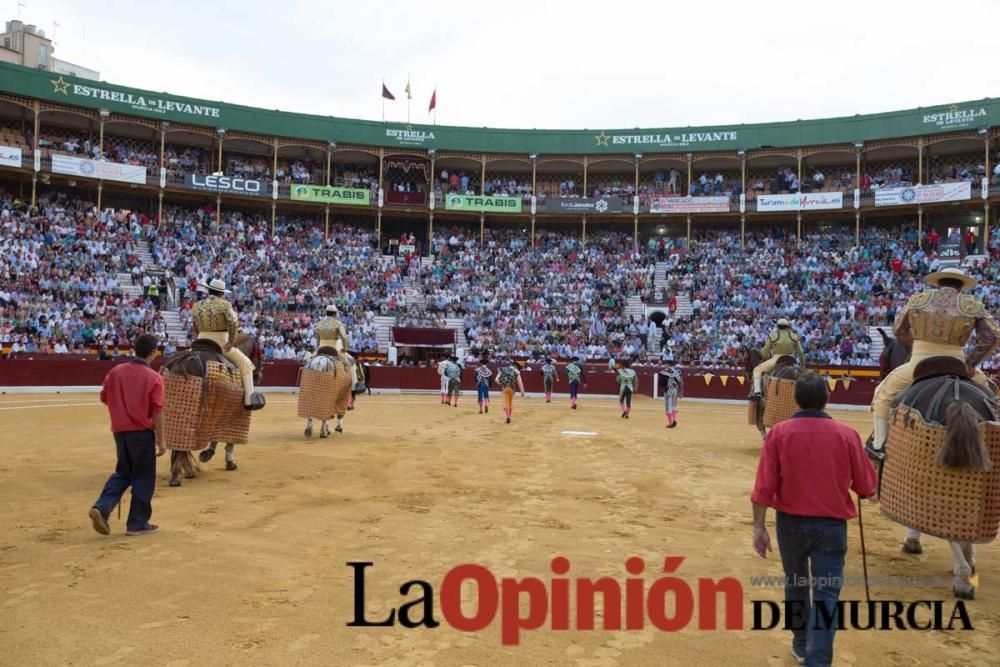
{"points": [[819, 201], [481, 203], [923, 194], [725, 379], [10, 156], [323, 194], [712, 204], [832, 383], [108, 171], [233, 185], [708, 378], [583, 205]]}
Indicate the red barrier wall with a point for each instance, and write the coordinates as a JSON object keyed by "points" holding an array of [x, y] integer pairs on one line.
{"points": [[55, 372]]}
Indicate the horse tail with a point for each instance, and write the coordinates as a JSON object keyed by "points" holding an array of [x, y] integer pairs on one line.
{"points": [[963, 446]]}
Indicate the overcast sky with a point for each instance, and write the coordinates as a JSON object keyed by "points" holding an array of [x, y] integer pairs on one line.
{"points": [[594, 65]]}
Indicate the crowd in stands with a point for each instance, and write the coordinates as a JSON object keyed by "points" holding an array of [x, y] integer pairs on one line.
{"points": [[62, 269]]}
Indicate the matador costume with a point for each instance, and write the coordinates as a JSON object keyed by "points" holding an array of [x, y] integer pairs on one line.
{"points": [[780, 342], [937, 322], [215, 319]]}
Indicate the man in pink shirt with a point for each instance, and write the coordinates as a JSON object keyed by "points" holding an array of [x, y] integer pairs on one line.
{"points": [[807, 469], [133, 393]]}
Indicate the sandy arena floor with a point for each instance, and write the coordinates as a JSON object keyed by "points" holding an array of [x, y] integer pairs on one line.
{"points": [[249, 566]]}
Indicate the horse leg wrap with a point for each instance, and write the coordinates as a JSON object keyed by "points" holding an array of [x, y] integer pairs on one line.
{"points": [[230, 456]]}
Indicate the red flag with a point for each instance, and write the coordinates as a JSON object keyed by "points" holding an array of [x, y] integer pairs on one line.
{"points": [[434, 101], [386, 94]]}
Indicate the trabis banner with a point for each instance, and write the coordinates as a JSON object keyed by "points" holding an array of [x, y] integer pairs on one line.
{"points": [[482, 204], [325, 194]]}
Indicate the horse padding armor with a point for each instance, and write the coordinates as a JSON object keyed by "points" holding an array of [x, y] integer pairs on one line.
{"points": [[324, 393], [958, 505], [199, 409], [779, 392]]}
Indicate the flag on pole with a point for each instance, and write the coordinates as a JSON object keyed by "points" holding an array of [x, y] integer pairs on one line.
{"points": [[409, 95], [434, 101], [386, 94]]}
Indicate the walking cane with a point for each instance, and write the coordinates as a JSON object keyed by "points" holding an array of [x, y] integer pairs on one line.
{"points": [[864, 555]]}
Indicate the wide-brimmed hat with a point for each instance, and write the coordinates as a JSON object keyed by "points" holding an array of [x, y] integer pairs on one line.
{"points": [[783, 322], [951, 273], [332, 309], [215, 284]]}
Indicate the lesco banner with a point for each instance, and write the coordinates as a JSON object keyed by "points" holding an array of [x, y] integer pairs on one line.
{"points": [[324, 194], [711, 204], [818, 201], [226, 185], [482, 203], [108, 171], [10, 157], [923, 194], [583, 205]]}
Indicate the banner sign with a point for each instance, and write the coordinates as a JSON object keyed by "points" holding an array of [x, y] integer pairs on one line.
{"points": [[950, 252], [583, 205], [10, 157], [482, 203], [689, 205], [233, 185], [324, 194], [109, 171], [818, 201], [923, 194]]}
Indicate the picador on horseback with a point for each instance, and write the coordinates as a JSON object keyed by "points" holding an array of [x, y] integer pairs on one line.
{"points": [[937, 323], [330, 375], [215, 319], [780, 342], [936, 433]]}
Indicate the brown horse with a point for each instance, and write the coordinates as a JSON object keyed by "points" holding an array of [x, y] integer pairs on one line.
{"points": [[193, 363], [785, 369]]}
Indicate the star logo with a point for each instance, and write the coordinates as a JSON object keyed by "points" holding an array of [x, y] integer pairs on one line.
{"points": [[602, 139], [954, 108], [61, 86], [409, 128]]}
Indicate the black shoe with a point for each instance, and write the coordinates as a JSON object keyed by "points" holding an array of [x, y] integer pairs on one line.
{"points": [[99, 521], [487, 408], [674, 425], [508, 420]]}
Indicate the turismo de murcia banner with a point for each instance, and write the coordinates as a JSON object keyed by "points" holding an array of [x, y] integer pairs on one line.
{"points": [[226, 185], [801, 202], [10, 156], [323, 194], [712, 204], [482, 204], [923, 194], [583, 205], [108, 171]]}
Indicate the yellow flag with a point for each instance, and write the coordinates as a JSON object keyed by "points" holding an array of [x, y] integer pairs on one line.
{"points": [[847, 382], [725, 379], [741, 379], [708, 377], [832, 383]]}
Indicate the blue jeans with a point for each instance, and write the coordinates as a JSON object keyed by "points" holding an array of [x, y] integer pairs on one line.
{"points": [[812, 553], [136, 468]]}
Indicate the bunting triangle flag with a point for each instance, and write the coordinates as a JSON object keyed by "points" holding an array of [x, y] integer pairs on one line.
{"points": [[725, 379], [832, 383], [708, 377], [741, 379], [847, 382]]}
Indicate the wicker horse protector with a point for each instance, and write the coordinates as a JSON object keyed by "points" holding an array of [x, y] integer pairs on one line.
{"points": [[779, 400], [324, 393], [959, 505], [200, 410]]}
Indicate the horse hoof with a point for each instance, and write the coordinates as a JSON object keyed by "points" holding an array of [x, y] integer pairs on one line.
{"points": [[230, 465], [175, 482], [912, 547], [308, 432], [189, 475], [339, 429], [963, 594], [206, 455]]}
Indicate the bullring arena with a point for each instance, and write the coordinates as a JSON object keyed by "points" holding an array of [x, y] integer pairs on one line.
{"points": [[245, 247]]}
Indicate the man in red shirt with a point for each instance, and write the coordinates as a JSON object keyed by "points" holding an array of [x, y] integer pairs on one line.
{"points": [[133, 393], [807, 468]]}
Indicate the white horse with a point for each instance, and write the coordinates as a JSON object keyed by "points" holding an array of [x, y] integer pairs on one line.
{"points": [[329, 361]]}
